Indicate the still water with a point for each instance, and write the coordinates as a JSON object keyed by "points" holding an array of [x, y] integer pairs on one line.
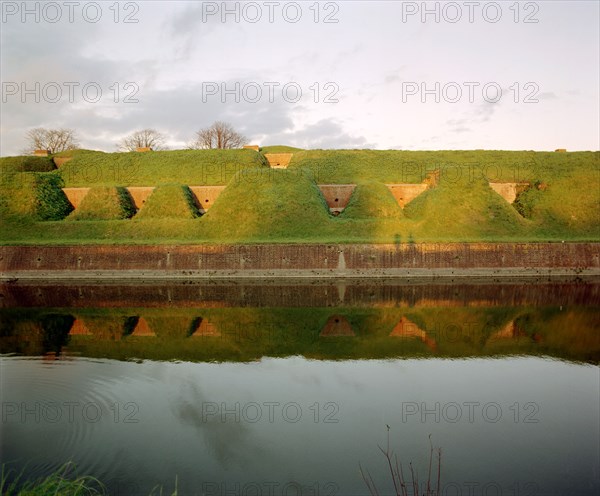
{"points": [[288, 389]]}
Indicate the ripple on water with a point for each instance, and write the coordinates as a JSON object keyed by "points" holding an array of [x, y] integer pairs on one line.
{"points": [[61, 403]]}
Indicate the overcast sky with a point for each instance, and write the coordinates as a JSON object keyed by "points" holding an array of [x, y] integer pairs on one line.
{"points": [[345, 74]]}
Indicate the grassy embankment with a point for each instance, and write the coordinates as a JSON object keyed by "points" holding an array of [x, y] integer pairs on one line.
{"points": [[262, 205]]}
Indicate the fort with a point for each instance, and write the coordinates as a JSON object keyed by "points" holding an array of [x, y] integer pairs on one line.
{"points": [[285, 212]]}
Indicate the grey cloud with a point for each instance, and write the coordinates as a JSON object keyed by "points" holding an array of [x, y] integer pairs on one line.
{"points": [[485, 111], [546, 95], [177, 113], [327, 133], [460, 129]]}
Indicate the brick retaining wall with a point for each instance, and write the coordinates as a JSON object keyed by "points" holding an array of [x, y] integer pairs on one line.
{"points": [[299, 260]]}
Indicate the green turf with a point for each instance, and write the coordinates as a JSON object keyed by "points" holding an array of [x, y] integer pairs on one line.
{"points": [[261, 205], [169, 200], [471, 208], [279, 149], [372, 201], [104, 203], [267, 204], [11, 165], [191, 167], [31, 196]]}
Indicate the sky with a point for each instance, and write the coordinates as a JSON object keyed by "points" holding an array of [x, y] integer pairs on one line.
{"points": [[347, 74]]}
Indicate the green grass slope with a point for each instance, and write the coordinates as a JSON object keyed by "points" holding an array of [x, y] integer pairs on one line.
{"points": [[372, 200], [268, 205], [264, 205], [169, 200], [399, 166], [191, 167], [26, 163], [279, 149], [104, 203], [463, 210], [32, 196]]}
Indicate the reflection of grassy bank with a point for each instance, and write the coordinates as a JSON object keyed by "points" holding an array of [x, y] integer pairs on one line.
{"points": [[247, 334]]}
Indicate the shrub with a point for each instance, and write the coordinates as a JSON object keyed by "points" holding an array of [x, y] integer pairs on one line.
{"points": [[11, 165], [35, 195]]}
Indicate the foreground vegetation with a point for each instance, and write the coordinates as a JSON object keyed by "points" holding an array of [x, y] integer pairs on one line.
{"points": [[261, 205], [63, 482]]}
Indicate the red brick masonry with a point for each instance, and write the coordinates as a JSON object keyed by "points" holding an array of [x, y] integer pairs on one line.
{"points": [[300, 260]]}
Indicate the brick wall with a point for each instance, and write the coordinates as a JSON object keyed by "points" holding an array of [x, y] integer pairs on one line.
{"points": [[75, 195], [279, 160], [337, 196], [405, 193], [293, 257], [509, 191]]}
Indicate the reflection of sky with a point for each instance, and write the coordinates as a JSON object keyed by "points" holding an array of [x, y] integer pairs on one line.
{"points": [[178, 434]]}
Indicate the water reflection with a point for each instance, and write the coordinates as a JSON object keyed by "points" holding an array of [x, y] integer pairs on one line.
{"points": [[287, 389], [328, 321]]}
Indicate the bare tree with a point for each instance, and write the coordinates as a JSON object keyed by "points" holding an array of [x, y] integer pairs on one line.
{"points": [[53, 140], [219, 135], [146, 138]]}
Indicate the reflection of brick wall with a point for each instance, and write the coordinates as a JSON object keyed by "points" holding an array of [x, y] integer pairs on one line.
{"points": [[279, 160], [337, 196], [139, 195], [206, 195], [337, 325], [75, 195], [405, 193], [509, 191], [294, 293]]}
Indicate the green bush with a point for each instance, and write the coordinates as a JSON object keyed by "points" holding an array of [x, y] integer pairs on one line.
{"points": [[51, 201], [169, 200], [526, 201], [11, 165], [35, 195], [105, 203]]}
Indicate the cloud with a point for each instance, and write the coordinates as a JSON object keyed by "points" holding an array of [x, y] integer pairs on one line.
{"points": [[177, 113], [326, 133], [485, 111], [546, 95]]}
